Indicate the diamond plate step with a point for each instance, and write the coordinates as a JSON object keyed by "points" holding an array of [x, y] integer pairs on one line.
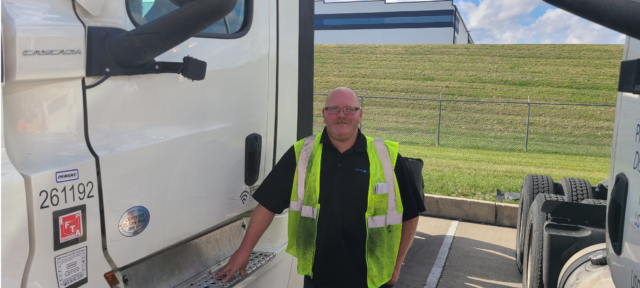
{"points": [[257, 260]]}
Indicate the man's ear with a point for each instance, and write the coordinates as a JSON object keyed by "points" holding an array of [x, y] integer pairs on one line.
{"points": [[323, 119]]}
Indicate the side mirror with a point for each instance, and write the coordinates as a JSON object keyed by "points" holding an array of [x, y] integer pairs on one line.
{"points": [[114, 51], [629, 80]]}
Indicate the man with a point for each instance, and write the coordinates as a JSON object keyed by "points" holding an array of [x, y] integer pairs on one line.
{"points": [[352, 232]]}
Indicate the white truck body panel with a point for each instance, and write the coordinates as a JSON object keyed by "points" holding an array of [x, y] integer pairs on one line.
{"points": [[92, 6], [625, 159], [57, 144], [112, 14], [34, 27], [174, 146], [15, 228], [288, 70]]}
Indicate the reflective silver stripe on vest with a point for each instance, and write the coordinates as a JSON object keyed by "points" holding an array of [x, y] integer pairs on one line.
{"points": [[385, 159], [303, 163], [392, 216], [309, 212], [384, 220], [295, 205], [305, 211]]}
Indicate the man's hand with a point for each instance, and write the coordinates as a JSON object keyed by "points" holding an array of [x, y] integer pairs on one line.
{"points": [[394, 276], [260, 221], [238, 262]]}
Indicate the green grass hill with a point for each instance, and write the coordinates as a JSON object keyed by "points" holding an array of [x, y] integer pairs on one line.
{"points": [[481, 145], [547, 73]]}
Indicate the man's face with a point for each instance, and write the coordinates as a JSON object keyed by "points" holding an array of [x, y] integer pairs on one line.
{"points": [[342, 126]]}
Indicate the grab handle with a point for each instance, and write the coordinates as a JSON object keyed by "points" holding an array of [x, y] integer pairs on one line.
{"points": [[616, 213], [252, 154]]}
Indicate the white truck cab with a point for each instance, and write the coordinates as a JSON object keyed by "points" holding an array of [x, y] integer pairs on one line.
{"points": [[135, 131], [573, 234], [623, 215]]}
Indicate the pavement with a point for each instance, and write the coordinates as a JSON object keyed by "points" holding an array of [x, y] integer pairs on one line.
{"points": [[480, 256]]}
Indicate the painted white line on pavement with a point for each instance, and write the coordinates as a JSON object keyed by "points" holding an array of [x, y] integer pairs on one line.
{"points": [[436, 271]]}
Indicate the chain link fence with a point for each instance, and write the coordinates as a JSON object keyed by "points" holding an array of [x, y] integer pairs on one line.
{"points": [[562, 128]]}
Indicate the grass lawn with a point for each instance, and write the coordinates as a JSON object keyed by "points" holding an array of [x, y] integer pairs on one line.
{"points": [[481, 144], [547, 73], [476, 174]]}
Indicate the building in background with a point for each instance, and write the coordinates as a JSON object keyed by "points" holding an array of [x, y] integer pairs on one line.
{"points": [[389, 22]]}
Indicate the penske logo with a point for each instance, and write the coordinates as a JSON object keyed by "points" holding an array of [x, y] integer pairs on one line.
{"points": [[51, 52], [69, 175]]}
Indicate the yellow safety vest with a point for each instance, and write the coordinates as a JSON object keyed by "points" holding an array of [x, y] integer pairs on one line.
{"points": [[383, 217]]}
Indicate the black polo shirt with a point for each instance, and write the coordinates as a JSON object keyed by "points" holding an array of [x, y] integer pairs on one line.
{"points": [[340, 259]]}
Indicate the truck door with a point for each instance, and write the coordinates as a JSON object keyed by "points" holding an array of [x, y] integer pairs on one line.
{"points": [[171, 151], [623, 212]]}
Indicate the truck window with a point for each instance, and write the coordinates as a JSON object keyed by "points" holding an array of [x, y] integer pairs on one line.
{"points": [[143, 11]]}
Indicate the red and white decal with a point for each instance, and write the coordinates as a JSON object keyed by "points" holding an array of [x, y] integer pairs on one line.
{"points": [[70, 226]]}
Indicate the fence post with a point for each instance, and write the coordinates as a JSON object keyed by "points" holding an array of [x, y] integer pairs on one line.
{"points": [[439, 117], [526, 137]]}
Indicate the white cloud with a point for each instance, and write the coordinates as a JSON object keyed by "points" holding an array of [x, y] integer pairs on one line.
{"points": [[500, 22], [493, 14]]}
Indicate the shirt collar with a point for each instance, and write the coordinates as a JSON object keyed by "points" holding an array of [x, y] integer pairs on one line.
{"points": [[360, 145]]}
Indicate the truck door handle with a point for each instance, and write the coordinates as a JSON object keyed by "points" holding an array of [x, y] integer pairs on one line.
{"points": [[616, 212], [252, 153]]}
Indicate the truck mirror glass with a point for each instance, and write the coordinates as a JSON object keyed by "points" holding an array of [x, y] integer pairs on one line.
{"points": [[144, 11]]}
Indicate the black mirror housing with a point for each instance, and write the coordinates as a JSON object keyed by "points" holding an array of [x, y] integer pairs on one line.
{"points": [[114, 51], [629, 80], [194, 69], [139, 46]]}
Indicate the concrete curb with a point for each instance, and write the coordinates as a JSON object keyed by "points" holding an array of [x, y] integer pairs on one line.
{"points": [[471, 210]]}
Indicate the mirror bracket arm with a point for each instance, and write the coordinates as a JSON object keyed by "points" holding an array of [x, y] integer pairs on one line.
{"points": [[101, 63]]}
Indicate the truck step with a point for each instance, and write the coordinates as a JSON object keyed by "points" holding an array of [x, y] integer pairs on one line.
{"points": [[257, 260]]}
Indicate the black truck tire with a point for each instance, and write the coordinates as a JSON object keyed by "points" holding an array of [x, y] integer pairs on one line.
{"points": [[531, 187], [576, 190], [532, 259]]}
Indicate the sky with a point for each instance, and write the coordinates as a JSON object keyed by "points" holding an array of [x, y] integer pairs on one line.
{"points": [[530, 22], [526, 22]]}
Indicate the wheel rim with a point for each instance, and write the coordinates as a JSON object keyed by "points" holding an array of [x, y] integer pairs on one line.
{"points": [[529, 262]]}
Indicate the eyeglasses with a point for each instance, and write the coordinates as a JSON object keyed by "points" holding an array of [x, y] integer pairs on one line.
{"points": [[347, 110]]}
